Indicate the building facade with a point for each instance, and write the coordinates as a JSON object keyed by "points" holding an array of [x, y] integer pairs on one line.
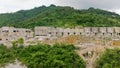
{"points": [[49, 32], [8, 34]]}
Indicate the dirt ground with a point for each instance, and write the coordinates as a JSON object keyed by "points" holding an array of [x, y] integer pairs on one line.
{"points": [[93, 52]]}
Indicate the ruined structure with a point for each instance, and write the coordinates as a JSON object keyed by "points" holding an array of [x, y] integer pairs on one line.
{"points": [[8, 34], [50, 32]]}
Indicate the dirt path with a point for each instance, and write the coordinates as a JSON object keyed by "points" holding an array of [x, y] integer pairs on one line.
{"points": [[17, 64], [91, 53]]}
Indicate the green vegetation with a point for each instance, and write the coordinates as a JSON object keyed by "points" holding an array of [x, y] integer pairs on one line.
{"points": [[56, 56], [6, 55], [20, 41], [43, 56], [110, 59], [60, 17]]}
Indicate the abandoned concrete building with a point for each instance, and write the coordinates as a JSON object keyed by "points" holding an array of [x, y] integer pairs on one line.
{"points": [[53, 32], [8, 34]]}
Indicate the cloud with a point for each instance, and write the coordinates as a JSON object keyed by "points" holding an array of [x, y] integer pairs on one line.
{"points": [[15, 5], [2, 9], [105, 4], [84, 4]]}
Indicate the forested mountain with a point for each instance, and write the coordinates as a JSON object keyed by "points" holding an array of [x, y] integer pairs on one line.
{"points": [[60, 17]]}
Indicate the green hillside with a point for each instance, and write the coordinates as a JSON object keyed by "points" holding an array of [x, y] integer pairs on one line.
{"points": [[60, 17]]}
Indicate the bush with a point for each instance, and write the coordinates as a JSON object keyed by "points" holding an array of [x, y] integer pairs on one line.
{"points": [[57, 56], [109, 59]]}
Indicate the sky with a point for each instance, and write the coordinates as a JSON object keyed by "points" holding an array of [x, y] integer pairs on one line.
{"points": [[7, 6]]}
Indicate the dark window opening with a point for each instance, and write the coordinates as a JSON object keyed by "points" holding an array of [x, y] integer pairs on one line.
{"points": [[50, 33], [0, 39], [27, 31], [14, 31], [68, 33], [103, 33], [119, 34], [62, 33], [56, 32], [110, 33], [37, 35], [95, 33], [5, 31], [74, 33]]}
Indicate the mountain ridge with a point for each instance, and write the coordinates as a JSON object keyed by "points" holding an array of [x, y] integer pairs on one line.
{"points": [[60, 16]]}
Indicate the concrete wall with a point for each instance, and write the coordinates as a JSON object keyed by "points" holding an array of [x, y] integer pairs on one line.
{"points": [[11, 33], [87, 31], [42, 32]]}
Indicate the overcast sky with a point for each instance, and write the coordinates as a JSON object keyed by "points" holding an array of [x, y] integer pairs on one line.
{"points": [[15, 5]]}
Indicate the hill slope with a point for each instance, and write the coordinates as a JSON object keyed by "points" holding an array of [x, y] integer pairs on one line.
{"points": [[60, 17]]}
